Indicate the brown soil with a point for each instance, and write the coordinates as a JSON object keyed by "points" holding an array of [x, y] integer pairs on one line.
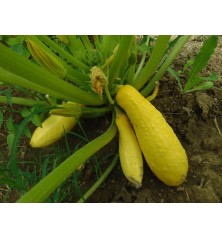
{"points": [[197, 121]]}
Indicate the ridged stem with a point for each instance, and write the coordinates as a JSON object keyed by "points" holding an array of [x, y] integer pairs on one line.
{"points": [[119, 58], [41, 191], [147, 90], [22, 101], [153, 62]]}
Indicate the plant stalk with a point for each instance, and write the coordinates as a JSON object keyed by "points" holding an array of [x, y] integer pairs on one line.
{"points": [[41, 191], [119, 58], [147, 90], [153, 62], [22, 101]]}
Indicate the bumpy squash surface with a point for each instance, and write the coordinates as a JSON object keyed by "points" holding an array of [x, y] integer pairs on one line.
{"points": [[52, 130], [130, 154], [162, 150]]}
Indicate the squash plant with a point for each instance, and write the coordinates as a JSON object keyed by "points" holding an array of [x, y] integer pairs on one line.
{"points": [[78, 77]]}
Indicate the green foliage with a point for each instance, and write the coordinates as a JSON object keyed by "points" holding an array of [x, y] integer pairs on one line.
{"points": [[17, 44], [195, 82]]}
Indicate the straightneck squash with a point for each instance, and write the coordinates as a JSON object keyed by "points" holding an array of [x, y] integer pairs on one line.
{"points": [[130, 154], [53, 128], [161, 148]]}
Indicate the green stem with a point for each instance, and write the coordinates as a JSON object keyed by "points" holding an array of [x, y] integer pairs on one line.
{"points": [[132, 65], [63, 53], [94, 112], [108, 94], [86, 42], [97, 43], [153, 62], [105, 45], [41, 191], [22, 101], [119, 58], [142, 60], [131, 74], [75, 44], [10, 78], [99, 181], [147, 90]]}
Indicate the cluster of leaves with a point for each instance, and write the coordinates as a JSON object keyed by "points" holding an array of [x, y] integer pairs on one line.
{"points": [[194, 66]]}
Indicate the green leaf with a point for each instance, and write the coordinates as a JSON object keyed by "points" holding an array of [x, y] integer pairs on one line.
{"points": [[10, 139], [1, 119], [27, 133], [212, 77], [21, 50], [204, 86], [25, 113], [10, 125], [12, 41], [187, 65], [143, 48], [36, 120], [201, 60], [176, 75]]}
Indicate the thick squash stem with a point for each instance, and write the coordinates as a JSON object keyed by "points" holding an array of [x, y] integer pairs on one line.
{"points": [[21, 101], [41, 191], [146, 91]]}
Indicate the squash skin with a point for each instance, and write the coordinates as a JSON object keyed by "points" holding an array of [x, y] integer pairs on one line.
{"points": [[130, 154], [161, 148], [52, 130]]}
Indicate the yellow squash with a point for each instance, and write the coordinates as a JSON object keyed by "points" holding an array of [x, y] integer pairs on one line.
{"points": [[53, 128], [161, 148], [130, 154]]}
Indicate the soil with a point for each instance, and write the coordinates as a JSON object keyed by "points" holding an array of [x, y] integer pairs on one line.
{"points": [[196, 118]]}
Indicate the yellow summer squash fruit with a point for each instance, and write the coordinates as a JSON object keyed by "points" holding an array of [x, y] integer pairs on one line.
{"points": [[130, 154], [53, 129], [161, 148]]}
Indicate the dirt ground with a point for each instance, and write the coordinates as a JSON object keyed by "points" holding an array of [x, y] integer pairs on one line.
{"points": [[197, 121]]}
